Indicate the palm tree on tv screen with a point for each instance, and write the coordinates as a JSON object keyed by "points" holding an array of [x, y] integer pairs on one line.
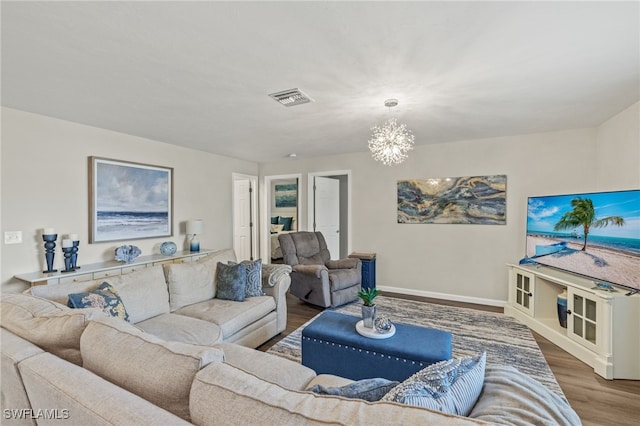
{"points": [[584, 214]]}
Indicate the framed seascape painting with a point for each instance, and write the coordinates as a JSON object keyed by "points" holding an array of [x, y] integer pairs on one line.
{"points": [[129, 201], [479, 200]]}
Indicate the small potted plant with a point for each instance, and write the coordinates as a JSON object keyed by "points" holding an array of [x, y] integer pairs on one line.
{"points": [[369, 307]]}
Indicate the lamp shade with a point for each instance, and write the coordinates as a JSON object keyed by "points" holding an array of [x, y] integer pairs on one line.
{"points": [[195, 226]]}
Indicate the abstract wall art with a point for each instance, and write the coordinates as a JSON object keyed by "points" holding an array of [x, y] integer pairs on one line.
{"points": [[286, 195], [479, 200]]}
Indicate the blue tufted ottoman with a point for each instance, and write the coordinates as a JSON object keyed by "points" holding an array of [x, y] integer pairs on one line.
{"points": [[331, 345]]}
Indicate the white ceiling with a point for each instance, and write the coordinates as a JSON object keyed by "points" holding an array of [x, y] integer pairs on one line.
{"points": [[198, 74]]}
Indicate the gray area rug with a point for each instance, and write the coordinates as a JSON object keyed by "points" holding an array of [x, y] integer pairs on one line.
{"points": [[505, 339]]}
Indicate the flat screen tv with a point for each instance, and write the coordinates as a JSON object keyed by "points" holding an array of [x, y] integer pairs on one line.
{"points": [[596, 235]]}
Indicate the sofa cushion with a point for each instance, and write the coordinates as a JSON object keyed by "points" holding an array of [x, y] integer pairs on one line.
{"points": [[451, 386], [180, 328], [47, 324], [60, 292], [512, 397], [231, 281], [189, 283], [229, 315], [79, 397], [272, 368], [160, 372], [143, 292], [105, 297], [248, 399]]}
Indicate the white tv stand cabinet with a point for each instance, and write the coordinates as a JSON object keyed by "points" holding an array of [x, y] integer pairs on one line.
{"points": [[603, 328]]}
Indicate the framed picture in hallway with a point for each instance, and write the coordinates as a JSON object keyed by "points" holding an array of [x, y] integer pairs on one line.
{"points": [[129, 201], [475, 200]]}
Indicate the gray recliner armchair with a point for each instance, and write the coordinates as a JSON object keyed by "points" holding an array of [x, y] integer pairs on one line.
{"points": [[315, 278]]}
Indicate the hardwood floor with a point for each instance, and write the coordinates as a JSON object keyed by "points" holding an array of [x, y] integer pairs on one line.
{"points": [[597, 401]]}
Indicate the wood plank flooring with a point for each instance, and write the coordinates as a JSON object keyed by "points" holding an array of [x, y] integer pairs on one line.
{"points": [[597, 401]]}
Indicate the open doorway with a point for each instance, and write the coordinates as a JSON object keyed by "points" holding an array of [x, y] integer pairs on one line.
{"points": [[282, 213], [245, 215], [330, 209]]}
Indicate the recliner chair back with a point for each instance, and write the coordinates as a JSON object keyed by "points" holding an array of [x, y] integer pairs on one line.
{"points": [[304, 248]]}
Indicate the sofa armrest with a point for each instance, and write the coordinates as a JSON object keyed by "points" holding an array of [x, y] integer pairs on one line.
{"points": [[272, 273], [275, 283], [348, 263]]}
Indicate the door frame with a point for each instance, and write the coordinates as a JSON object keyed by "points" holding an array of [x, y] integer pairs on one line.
{"points": [[311, 201], [265, 204], [254, 210]]}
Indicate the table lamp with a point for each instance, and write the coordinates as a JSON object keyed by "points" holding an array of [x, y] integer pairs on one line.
{"points": [[195, 227]]}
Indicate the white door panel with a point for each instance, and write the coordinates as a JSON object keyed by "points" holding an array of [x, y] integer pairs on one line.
{"points": [[242, 238], [327, 212]]}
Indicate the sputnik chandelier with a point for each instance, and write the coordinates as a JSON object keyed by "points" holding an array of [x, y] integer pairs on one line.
{"points": [[390, 142]]}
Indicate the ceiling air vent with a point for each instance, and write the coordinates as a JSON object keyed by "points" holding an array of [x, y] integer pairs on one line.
{"points": [[291, 97]]}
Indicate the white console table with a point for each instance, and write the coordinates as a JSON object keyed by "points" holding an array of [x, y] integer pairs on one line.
{"points": [[97, 271], [603, 328]]}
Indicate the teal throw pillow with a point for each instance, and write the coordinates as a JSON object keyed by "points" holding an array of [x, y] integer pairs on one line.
{"points": [[254, 277], [274, 220], [368, 389], [231, 281], [104, 297], [451, 386], [286, 221]]}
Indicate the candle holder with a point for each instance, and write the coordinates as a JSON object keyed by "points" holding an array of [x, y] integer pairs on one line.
{"points": [[67, 259], [74, 255], [49, 251]]}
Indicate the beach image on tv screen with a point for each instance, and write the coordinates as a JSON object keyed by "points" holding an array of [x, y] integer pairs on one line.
{"points": [[595, 234]]}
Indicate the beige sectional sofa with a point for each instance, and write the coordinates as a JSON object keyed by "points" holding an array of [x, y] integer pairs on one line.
{"points": [[178, 302], [84, 367]]}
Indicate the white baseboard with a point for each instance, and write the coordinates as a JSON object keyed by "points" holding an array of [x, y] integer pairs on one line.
{"points": [[444, 296]]}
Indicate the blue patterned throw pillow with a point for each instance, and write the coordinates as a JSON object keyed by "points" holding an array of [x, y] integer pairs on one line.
{"points": [[254, 277], [451, 386], [368, 389], [104, 297], [231, 281]]}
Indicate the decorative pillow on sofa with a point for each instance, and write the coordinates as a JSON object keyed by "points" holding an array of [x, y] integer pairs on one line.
{"points": [[254, 277], [231, 281], [451, 386], [104, 297], [368, 389]]}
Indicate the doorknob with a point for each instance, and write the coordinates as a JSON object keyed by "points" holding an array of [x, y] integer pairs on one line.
{"points": [[337, 231]]}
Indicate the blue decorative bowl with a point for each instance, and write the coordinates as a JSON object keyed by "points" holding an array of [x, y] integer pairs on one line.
{"points": [[168, 248]]}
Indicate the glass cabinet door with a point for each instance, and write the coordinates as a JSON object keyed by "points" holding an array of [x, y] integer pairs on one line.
{"points": [[524, 292], [583, 318]]}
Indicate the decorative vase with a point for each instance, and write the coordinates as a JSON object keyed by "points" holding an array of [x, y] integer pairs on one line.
{"points": [[168, 248], [368, 315], [562, 308]]}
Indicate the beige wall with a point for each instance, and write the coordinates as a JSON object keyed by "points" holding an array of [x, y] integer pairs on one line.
{"points": [[463, 262], [45, 184], [618, 151]]}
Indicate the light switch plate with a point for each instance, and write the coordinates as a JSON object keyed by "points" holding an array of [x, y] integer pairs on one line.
{"points": [[13, 237]]}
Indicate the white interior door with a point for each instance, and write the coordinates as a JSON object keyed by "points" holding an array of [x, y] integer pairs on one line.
{"points": [[243, 239], [327, 212]]}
